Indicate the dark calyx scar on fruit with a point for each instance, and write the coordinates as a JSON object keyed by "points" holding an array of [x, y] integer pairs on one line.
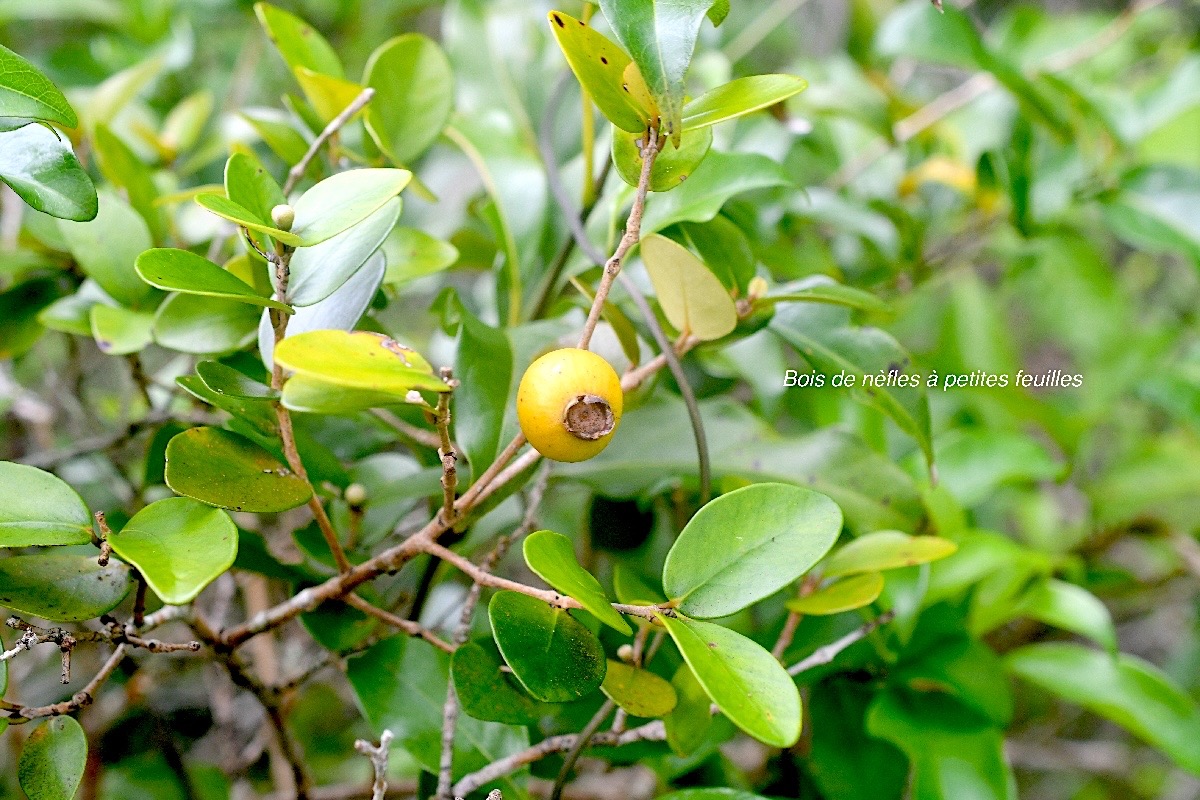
{"points": [[589, 417]]}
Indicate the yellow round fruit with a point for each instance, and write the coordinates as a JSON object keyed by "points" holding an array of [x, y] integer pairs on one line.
{"points": [[569, 403]]}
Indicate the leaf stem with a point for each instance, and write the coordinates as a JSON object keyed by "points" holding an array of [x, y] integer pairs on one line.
{"points": [[297, 171]]}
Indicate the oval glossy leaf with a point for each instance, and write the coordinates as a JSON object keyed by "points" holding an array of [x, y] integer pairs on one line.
{"points": [[359, 360], [826, 291], [1123, 688], [660, 36], [179, 546], [750, 687], [554, 657], [119, 331], [739, 97], [309, 395], [718, 178], [26, 92], [414, 95], [413, 254], [238, 214], [884, 550], [689, 293], [185, 272], [747, 545], [204, 325], [340, 311], [552, 558], [107, 247], [43, 171], [485, 691], [1071, 608], [248, 184], [230, 382], [63, 588], [224, 469], [672, 166], [37, 508], [53, 760], [343, 200], [640, 692], [599, 65], [318, 271], [300, 44], [844, 595]]}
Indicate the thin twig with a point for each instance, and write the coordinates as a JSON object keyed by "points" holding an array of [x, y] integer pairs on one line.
{"points": [[446, 451], [406, 429], [581, 741], [407, 625], [580, 238], [297, 172], [379, 762], [650, 147], [826, 654], [81, 699], [650, 732]]}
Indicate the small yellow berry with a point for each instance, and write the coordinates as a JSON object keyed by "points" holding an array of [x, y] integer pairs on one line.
{"points": [[569, 403]]}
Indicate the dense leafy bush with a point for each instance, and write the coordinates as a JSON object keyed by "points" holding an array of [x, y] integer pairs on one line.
{"points": [[874, 399]]}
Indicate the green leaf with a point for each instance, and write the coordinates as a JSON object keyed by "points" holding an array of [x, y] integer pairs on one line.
{"points": [[485, 691], [300, 44], [823, 290], [629, 587], [884, 550], [552, 557], [53, 760], [718, 12], [672, 166], [276, 129], [185, 122], [26, 92], [248, 184], [660, 36], [1123, 688], [693, 299], [740, 97], [483, 364], [747, 545], [107, 247], [413, 254], [401, 686], [183, 271], [599, 65], [358, 360], [37, 508], [640, 692], [719, 177], [178, 545], [554, 657], [21, 314], [119, 331], [62, 588], [1070, 607], [310, 395], [711, 793], [318, 271], [240, 215], [952, 751], [844, 595], [43, 171], [827, 339], [1153, 210], [688, 723], [204, 325], [228, 381], [414, 95], [748, 685], [224, 469], [344, 200]]}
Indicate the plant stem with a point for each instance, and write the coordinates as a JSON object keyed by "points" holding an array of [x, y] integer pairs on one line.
{"points": [[297, 171]]}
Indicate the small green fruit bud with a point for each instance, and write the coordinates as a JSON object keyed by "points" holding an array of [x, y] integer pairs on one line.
{"points": [[283, 216], [356, 495]]}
